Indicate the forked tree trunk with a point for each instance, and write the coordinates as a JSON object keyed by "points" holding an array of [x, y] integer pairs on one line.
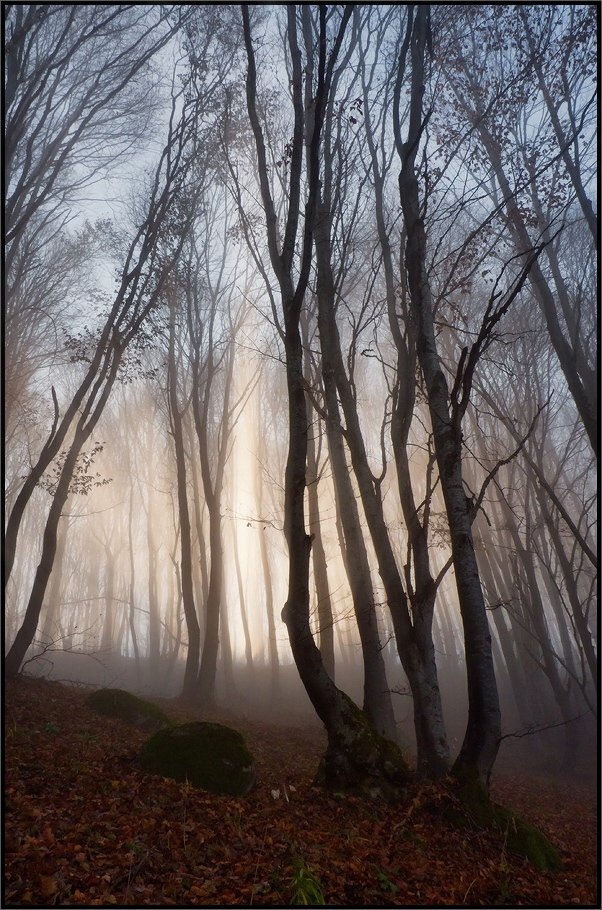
{"points": [[414, 644], [377, 696], [356, 756], [481, 741]]}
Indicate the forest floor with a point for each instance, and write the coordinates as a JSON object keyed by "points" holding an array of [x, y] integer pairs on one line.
{"points": [[83, 825]]}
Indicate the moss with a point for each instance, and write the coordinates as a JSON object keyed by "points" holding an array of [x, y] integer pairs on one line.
{"points": [[359, 760], [520, 836], [128, 707], [210, 756], [526, 840]]}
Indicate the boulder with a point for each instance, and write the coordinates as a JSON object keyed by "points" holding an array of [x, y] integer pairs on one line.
{"points": [[129, 708], [209, 756]]}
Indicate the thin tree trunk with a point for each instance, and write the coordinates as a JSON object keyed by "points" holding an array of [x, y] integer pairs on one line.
{"points": [[581, 392], [564, 143], [106, 643], [226, 652], [377, 696], [325, 618], [154, 629], [205, 686], [192, 623], [241, 601], [132, 588], [583, 630], [86, 423], [56, 579], [269, 603]]}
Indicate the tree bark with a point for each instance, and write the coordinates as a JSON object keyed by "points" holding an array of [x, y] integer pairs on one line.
{"points": [[52, 604], [192, 623], [269, 598], [481, 741], [154, 629], [241, 601]]}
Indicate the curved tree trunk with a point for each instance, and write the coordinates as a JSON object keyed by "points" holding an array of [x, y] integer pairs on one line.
{"points": [[356, 755]]}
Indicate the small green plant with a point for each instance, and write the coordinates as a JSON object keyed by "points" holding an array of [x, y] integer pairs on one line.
{"points": [[386, 884], [306, 888]]}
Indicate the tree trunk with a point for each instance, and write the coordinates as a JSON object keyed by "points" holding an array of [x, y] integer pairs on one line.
{"points": [[481, 741], [52, 603], [581, 391], [226, 653], [356, 756], [241, 601], [325, 618], [269, 603], [345, 763], [192, 623], [154, 629], [86, 423], [205, 686], [27, 631], [132, 588], [106, 643], [377, 696]]}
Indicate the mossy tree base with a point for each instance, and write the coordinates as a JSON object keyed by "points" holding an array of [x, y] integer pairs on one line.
{"points": [[522, 838], [209, 756], [129, 708], [360, 761]]}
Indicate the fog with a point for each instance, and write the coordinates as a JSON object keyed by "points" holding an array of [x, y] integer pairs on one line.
{"points": [[151, 420]]}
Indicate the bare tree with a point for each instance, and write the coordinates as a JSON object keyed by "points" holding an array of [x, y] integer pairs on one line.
{"points": [[341, 719], [148, 261], [481, 741]]}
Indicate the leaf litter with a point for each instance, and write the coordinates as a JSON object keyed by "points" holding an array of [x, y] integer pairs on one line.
{"points": [[84, 825]]}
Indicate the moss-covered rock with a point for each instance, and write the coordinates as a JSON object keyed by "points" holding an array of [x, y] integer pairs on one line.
{"points": [[359, 760], [129, 708], [209, 756], [520, 836]]}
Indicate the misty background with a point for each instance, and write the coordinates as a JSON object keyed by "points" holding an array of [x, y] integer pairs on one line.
{"points": [[146, 414]]}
